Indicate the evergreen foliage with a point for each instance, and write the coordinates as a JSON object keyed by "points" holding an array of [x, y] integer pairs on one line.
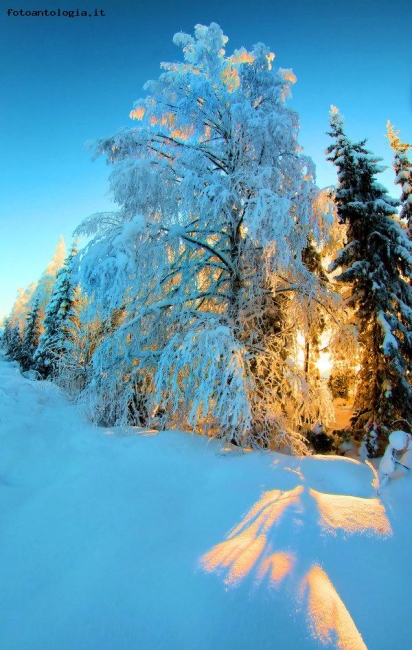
{"points": [[5, 333], [376, 263], [44, 288], [21, 307], [30, 338], [403, 170], [12, 341], [58, 314]]}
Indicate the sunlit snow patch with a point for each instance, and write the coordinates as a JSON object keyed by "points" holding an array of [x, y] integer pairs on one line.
{"points": [[329, 620], [351, 514], [240, 553]]}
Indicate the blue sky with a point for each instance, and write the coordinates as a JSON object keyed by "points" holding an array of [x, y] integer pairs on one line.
{"points": [[67, 81]]}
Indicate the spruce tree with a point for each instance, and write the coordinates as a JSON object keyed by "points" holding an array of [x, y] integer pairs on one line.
{"points": [[13, 343], [59, 311], [403, 170], [22, 306], [5, 333], [44, 288], [30, 338], [376, 262]]}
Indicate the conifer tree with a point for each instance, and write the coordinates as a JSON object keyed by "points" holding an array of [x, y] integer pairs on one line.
{"points": [[376, 262], [30, 339], [21, 307], [44, 288], [403, 170], [60, 310], [12, 342], [85, 333], [5, 333]]}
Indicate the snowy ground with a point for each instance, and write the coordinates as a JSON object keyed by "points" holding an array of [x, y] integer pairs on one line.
{"points": [[111, 541]]}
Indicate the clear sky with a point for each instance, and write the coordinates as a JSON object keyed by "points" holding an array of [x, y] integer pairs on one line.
{"points": [[65, 81]]}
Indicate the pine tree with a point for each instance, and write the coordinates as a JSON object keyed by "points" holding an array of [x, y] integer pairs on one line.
{"points": [[44, 288], [403, 170], [21, 307], [13, 343], [5, 333], [376, 262], [30, 339], [83, 336], [60, 310]]}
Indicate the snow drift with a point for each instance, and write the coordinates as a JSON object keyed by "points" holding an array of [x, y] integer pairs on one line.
{"points": [[120, 538]]}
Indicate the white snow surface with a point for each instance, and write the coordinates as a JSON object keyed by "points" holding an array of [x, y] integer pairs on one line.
{"points": [[121, 538]]}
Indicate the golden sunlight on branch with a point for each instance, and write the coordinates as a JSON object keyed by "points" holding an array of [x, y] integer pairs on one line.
{"points": [[167, 119], [288, 75], [137, 113], [270, 57], [230, 78], [183, 132], [242, 57]]}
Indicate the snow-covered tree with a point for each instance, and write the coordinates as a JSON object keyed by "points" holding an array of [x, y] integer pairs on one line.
{"points": [[216, 210], [58, 314], [37, 294], [403, 170], [376, 262], [340, 339], [5, 332], [11, 340], [316, 323], [21, 307], [44, 288], [83, 333], [31, 338]]}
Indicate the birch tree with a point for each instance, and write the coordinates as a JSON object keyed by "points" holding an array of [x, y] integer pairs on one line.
{"points": [[206, 250]]}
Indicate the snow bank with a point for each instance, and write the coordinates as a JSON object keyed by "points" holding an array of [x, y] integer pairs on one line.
{"points": [[123, 539]]}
